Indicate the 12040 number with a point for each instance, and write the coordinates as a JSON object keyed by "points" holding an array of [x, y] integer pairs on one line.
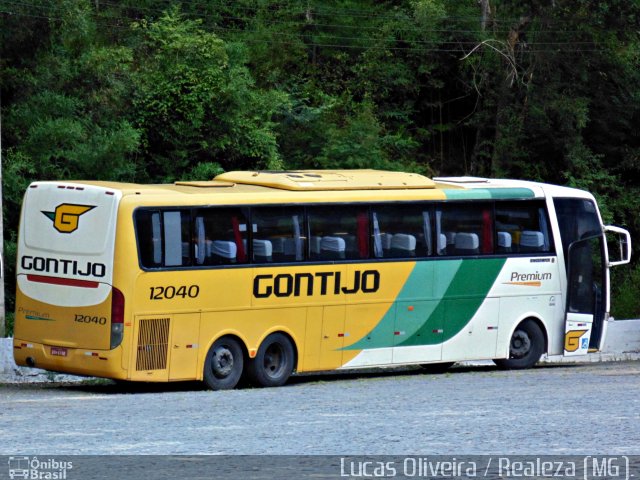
{"points": [[167, 293]]}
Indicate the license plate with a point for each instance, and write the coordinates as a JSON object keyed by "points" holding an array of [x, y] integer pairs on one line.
{"points": [[59, 351]]}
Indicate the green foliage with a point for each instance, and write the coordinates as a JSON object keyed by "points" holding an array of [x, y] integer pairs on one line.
{"points": [[195, 100], [625, 302], [204, 171], [587, 173], [352, 140]]}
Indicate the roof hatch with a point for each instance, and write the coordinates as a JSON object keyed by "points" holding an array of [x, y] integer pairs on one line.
{"points": [[330, 179]]}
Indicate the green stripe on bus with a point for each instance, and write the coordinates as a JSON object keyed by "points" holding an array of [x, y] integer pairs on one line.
{"points": [[32, 317], [489, 193], [466, 292], [435, 291]]}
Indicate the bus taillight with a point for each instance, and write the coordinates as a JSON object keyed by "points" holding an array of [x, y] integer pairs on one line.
{"points": [[117, 317]]}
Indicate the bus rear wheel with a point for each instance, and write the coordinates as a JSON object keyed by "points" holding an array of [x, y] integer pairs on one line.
{"points": [[525, 348], [273, 363], [223, 364]]}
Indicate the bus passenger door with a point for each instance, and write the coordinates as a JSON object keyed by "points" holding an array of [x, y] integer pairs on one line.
{"points": [[587, 291]]}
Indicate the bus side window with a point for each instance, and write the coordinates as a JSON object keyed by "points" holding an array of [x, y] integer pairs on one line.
{"points": [[223, 234], [522, 227], [338, 232], [149, 236], [163, 238], [465, 229], [402, 231], [278, 234]]}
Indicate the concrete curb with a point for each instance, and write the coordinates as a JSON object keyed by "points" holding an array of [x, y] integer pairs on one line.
{"points": [[622, 344]]}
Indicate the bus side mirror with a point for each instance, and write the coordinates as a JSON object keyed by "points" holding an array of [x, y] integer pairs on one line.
{"points": [[618, 245]]}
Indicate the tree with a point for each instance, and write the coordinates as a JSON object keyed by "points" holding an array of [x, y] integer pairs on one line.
{"points": [[195, 101], [65, 116]]}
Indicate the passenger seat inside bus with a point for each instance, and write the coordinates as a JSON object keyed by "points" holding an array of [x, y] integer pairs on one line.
{"points": [[531, 241], [222, 251], [332, 248], [467, 243], [262, 251], [403, 245], [442, 244], [504, 242]]}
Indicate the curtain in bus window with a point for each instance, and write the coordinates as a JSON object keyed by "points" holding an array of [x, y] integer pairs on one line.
{"points": [[377, 240], [297, 237], [442, 245], [200, 241], [363, 234], [487, 231], [172, 239], [426, 231], [544, 228], [237, 236]]}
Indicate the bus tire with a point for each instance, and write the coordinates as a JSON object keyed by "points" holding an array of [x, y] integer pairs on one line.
{"points": [[525, 348], [223, 364], [274, 362]]}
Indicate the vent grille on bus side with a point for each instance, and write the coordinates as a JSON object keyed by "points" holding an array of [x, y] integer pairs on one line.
{"points": [[153, 338]]}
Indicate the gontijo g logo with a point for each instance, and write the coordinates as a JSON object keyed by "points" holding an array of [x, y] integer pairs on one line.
{"points": [[67, 216]]}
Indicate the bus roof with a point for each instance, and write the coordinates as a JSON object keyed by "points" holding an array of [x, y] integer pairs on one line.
{"points": [[335, 185]]}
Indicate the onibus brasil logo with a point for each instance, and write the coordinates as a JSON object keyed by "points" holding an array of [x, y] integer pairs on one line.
{"points": [[66, 216], [40, 469]]}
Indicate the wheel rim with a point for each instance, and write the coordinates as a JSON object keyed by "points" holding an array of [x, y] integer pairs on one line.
{"points": [[520, 344], [274, 360], [222, 362]]}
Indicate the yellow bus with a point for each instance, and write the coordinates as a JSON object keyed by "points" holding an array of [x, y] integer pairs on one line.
{"points": [[263, 274]]}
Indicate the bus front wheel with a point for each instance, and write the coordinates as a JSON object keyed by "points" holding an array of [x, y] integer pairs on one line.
{"points": [[525, 348], [273, 363], [223, 364]]}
